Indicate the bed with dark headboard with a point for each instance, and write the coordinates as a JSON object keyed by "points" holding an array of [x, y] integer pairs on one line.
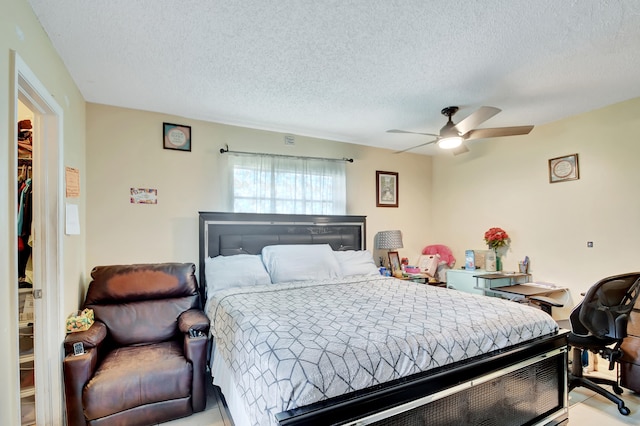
{"points": [[227, 234], [520, 384]]}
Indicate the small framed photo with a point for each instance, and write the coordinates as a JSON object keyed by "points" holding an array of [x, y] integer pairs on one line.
{"points": [[394, 263], [176, 136], [386, 189], [144, 196], [564, 168]]}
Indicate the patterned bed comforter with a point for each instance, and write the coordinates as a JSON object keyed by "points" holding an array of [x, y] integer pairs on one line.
{"points": [[289, 345]]}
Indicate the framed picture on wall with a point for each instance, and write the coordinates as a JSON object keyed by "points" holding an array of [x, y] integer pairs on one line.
{"points": [[386, 189], [564, 168], [176, 136]]}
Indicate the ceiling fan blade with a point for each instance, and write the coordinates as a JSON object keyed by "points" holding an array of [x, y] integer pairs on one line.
{"points": [[474, 120], [497, 132], [417, 146], [460, 150], [413, 133]]}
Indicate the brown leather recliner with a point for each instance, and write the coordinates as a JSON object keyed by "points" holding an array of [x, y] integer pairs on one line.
{"points": [[145, 355]]}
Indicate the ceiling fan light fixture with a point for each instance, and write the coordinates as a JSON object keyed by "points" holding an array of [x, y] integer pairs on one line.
{"points": [[450, 142], [453, 135]]}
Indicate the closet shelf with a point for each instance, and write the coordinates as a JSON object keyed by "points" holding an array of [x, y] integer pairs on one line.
{"points": [[27, 392], [24, 324], [28, 409], [27, 357]]}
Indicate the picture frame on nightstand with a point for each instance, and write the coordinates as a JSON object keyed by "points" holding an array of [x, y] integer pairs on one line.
{"points": [[394, 263]]}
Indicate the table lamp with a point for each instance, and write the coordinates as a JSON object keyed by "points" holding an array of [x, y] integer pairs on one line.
{"points": [[388, 240]]}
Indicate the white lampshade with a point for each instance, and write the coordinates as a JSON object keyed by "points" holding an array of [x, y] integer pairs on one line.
{"points": [[389, 240], [450, 142]]}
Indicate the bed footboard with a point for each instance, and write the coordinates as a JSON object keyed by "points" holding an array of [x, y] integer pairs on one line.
{"points": [[523, 386]]}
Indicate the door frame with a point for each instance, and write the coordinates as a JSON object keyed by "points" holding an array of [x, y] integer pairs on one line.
{"points": [[48, 272]]}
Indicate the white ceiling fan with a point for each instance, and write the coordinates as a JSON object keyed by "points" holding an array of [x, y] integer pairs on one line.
{"points": [[452, 136]]}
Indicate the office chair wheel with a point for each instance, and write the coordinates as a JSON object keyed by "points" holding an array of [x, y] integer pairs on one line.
{"points": [[617, 389], [624, 410]]}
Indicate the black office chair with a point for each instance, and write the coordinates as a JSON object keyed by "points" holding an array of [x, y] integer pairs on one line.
{"points": [[599, 324]]}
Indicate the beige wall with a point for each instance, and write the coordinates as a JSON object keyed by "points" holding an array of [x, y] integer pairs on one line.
{"points": [[124, 150], [502, 182], [21, 32], [505, 182]]}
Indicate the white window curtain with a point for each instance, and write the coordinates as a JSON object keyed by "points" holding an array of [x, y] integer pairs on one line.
{"points": [[281, 184]]}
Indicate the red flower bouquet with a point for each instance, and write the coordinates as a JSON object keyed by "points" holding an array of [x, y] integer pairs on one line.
{"points": [[496, 237]]}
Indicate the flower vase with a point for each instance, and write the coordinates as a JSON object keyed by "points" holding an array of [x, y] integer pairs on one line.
{"points": [[490, 261]]}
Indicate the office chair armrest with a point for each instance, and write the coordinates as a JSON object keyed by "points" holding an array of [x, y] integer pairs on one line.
{"points": [[621, 326]]}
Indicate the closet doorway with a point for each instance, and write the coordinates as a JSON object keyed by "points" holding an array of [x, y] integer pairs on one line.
{"points": [[40, 403], [26, 314]]}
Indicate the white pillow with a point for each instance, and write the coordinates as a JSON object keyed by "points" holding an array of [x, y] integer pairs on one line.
{"points": [[356, 262], [300, 262], [239, 270]]}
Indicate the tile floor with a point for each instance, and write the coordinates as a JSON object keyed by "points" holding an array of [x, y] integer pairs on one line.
{"points": [[586, 408], [215, 414]]}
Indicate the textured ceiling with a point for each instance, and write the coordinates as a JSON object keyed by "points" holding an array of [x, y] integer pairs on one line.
{"points": [[349, 70]]}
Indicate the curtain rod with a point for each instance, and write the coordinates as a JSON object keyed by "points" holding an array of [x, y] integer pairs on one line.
{"points": [[226, 150]]}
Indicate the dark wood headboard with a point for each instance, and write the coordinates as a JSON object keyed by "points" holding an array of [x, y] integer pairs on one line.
{"points": [[226, 234]]}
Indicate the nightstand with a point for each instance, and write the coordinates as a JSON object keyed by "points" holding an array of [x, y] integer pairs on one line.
{"points": [[423, 279]]}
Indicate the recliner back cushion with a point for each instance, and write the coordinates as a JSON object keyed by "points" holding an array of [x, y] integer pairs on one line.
{"points": [[141, 303]]}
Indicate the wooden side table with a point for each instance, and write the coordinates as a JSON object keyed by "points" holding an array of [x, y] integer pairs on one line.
{"points": [[630, 361]]}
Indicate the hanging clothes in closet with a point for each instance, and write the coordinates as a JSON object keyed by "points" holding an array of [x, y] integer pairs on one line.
{"points": [[25, 192], [25, 189]]}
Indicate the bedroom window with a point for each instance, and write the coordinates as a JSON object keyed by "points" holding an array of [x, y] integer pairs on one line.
{"points": [[288, 185]]}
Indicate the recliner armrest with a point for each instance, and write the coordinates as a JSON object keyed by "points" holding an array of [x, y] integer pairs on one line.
{"points": [[91, 338], [195, 350], [78, 369], [193, 319], [195, 326]]}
